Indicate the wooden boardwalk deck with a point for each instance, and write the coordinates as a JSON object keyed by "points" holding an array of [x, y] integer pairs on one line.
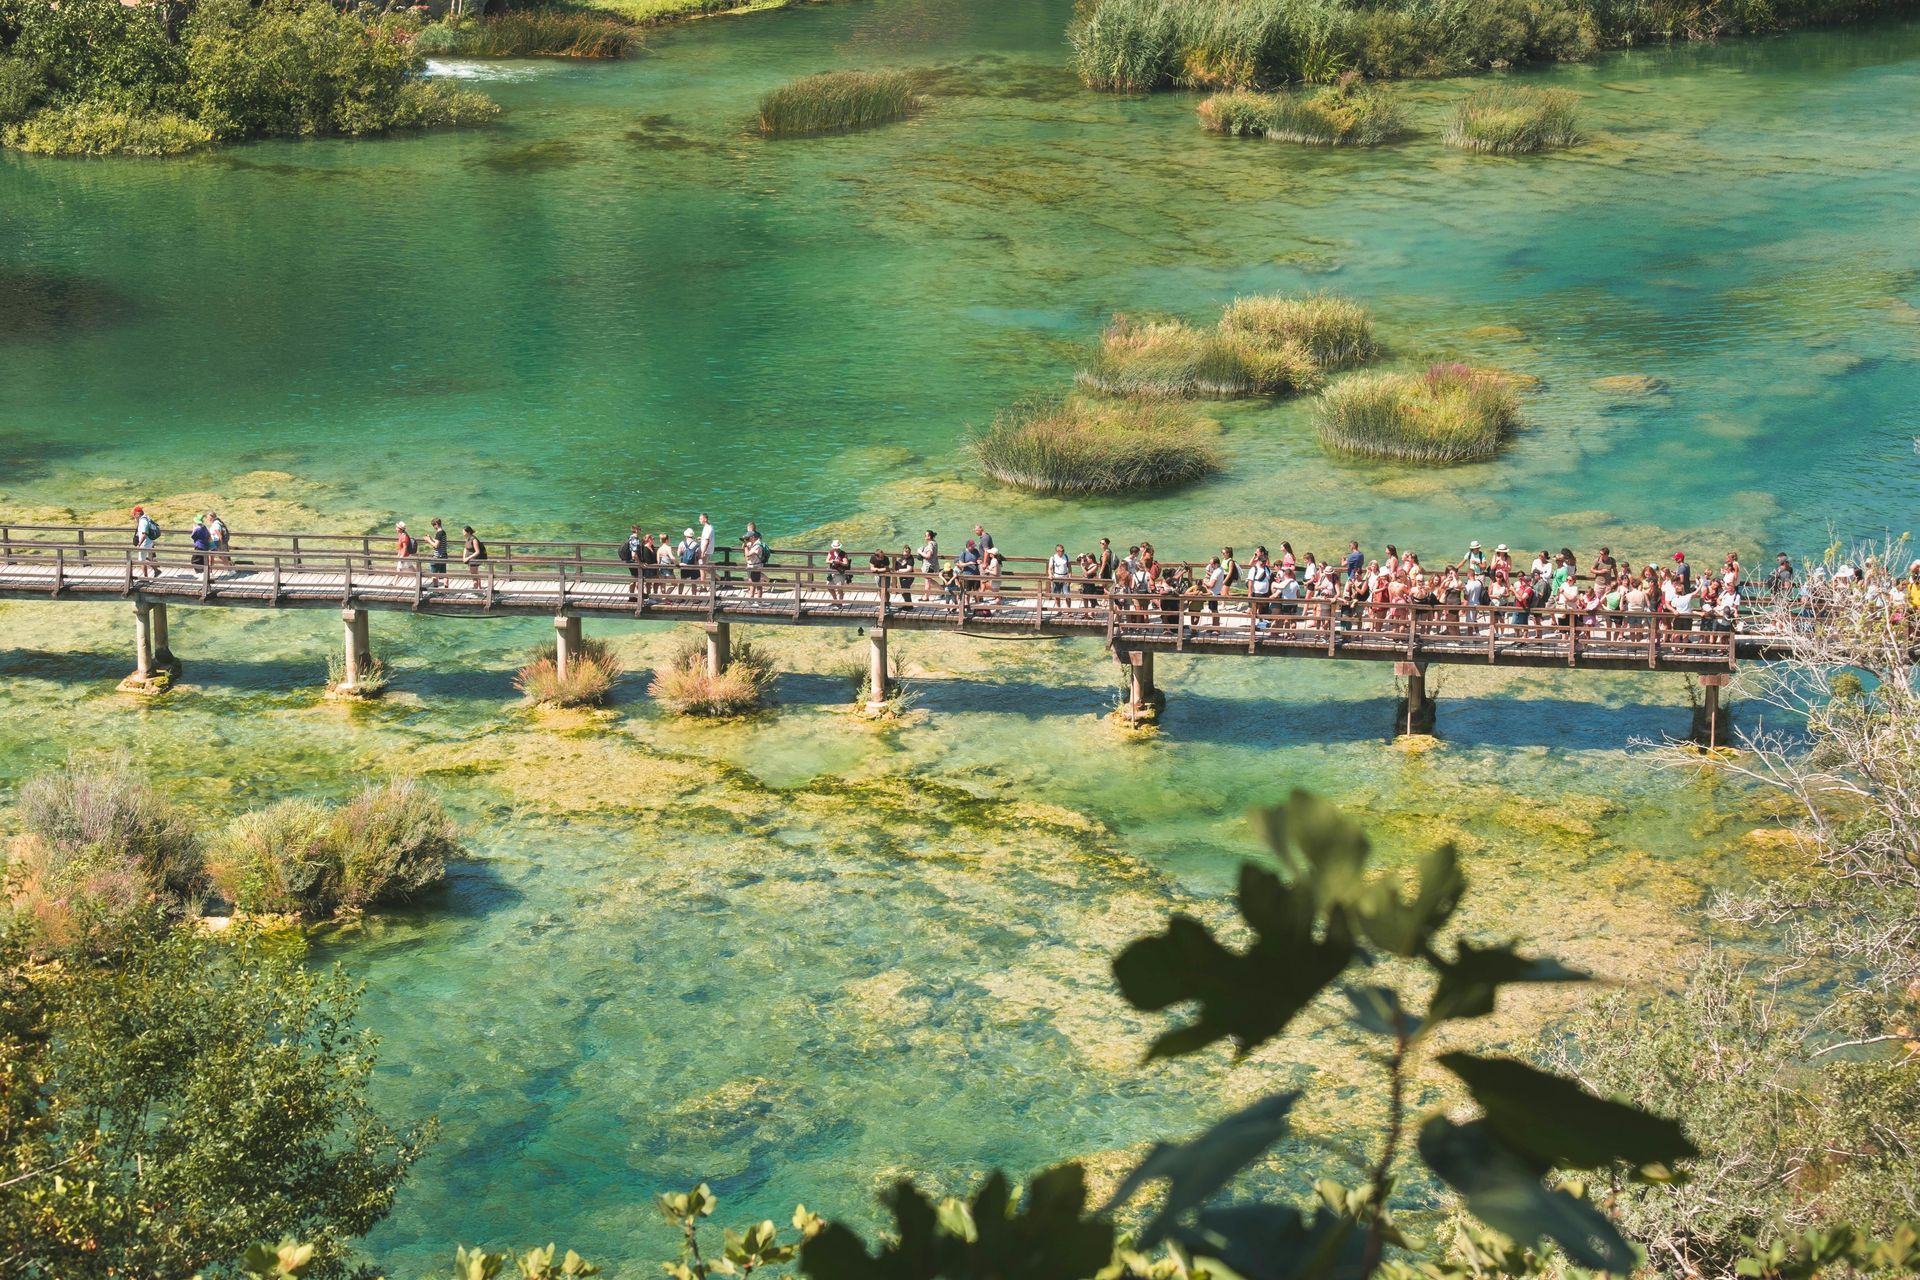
{"points": [[576, 580]]}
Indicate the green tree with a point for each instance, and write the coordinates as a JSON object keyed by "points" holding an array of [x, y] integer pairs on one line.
{"points": [[168, 1108]]}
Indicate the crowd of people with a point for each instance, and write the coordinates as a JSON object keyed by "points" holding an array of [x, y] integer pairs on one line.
{"points": [[1482, 590]]}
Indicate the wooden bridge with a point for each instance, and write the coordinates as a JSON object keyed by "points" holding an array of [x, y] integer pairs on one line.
{"points": [[570, 581]]}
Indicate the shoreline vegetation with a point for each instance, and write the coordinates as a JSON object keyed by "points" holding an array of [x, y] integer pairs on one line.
{"points": [[98, 77], [837, 102], [98, 846], [1139, 46]]}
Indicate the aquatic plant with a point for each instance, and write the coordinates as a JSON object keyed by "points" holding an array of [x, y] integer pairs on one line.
{"points": [[1239, 112], [530, 33], [388, 844], [685, 686], [1334, 332], [371, 683], [1136, 46], [836, 101], [278, 860], [1347, 114], [82, 809], [1516, 120], [1076, 445], [1450, 413], [589, 679], [1263, 345], [393, 841]]}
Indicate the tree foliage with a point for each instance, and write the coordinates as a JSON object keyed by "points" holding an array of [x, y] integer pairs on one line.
{"points": [[165, 1110], [90, 75]]}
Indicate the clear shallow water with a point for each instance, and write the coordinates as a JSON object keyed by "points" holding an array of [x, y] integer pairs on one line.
{"points": [[785, 956]]}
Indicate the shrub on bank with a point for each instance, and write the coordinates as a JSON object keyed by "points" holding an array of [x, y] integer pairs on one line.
{"points": [[836, 101], [297, 857], [1451, 413], [97, 76], [588, 681], [1097, 446], [1516, 120], [529, 33], [1241, 113], [684, 686], [101, 129], [97, 846], [278, 860]]}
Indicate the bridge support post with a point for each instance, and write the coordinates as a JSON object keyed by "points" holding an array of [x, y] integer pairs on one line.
{"points": [[877, 682], [154, 666], [719, 647], [1712, 723], [1144, 699], [1415, 713], [566, 645], [358, 644]]}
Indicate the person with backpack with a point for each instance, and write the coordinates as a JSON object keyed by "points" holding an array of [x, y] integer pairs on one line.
{"points": [[217, 541], [753, 549], [839, 572], [146, 532], [437, 542], [202, 540], [689, 557], [472, 552], [403, 545], [1259, 587], [629, 554]]}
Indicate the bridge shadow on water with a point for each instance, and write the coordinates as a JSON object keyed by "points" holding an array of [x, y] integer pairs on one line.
{"points": [[1488, 718]]}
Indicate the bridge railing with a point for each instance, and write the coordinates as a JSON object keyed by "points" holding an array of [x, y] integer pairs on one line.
{"points": [[796, 592]]}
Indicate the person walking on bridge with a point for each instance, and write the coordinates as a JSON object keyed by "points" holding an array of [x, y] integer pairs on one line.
{"points": [[218, 541], [146, 532], [472, 552], [437, 544], [403, 546], [630, 556]]}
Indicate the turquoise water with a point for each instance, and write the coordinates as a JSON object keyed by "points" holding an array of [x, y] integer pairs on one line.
{"points": [[796, 955]]}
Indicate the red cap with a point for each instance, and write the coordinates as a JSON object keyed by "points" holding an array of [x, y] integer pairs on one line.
{"points": [[138, 510], [1679, 555]]}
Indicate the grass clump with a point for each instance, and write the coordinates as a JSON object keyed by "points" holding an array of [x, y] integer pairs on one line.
{"points": [[298, 857], [1451, 413], [1347, 114], [684, 686], [372, 682], [1265, 345], [1334, 332], [101, 129], [1516, 120], [1086, 446], [529, 33], [589, 677], [836, 101], [97, 846]]}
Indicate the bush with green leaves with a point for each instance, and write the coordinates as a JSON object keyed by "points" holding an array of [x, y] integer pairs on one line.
{"points": [[160, 80], [97, 845], [299, 857], [192, 1096], [1511, 119]]}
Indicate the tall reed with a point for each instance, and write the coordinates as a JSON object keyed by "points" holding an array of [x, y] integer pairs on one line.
{"points": [[836, 101], [1451, 413], [530, 33], [1077, 445], [685, 686], [588, 680], [1516, 120]]}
